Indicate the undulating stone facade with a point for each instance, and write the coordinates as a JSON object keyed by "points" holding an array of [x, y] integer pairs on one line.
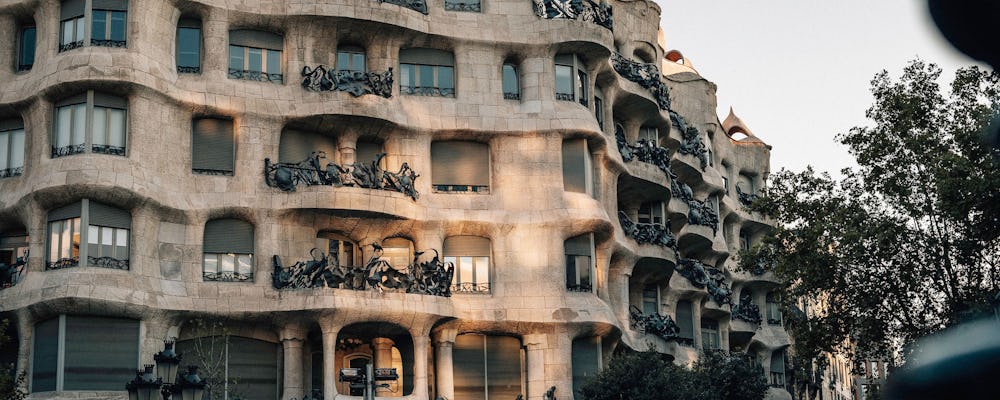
{"points": [[508, 192]]}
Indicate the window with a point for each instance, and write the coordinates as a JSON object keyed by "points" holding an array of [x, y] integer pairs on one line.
{"points": [[249, 367], [773, 308], [106, 236], [462, 5], [71, 25], [351, 58], [471, 256], [255, 55], [460, 167], [586, 361], [651, 213], [107, 115], [213, 146], [26, 48], [188, 46], [599, 108], [579, 263], [427, 72], [295, 146], [650, 134], [397, 252], [487, 367], [11, 147], [340, 250], [745, 184], [571, 79], [650, 300], [777, 378], [13, 257], [745, 240], [108, 23], [577, 167], [511, 87], [366, 151], [228, 251], [725, 184], [84, 353], [685, 321], [710, 334]]}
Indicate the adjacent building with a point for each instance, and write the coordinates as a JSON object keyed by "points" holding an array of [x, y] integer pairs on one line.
{"points": [[491, 197]]}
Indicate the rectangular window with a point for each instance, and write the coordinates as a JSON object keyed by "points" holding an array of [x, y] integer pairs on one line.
{"points": [[564, 82], [685, 321], [228, 267], [579, 263], [487, 367], [471, 257], [72, 34], [108, 131], [64, 243], [710, 334], [189, 49], [255, 64], [586, 361], [12, 151], [583, 84], [511, 88], [650, 135], [108, 127], [107, 28], [577, 168], [84, 353], [651, 213], [650, 300], [213, 146], [351, 60], [460, 167], [26, 53], [427, 80], [599, 112]]}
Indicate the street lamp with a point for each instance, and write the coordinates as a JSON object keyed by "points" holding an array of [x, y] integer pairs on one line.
{"points": [[145, 385]]}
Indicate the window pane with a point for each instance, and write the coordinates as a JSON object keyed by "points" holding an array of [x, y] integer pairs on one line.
{"points": [[116, 127], [93, 234], [510, 79], [99, 26], [236, 57], [107, 236], [255, 59], [118, 25], [211, 263], [564, 79], [78, 24], [358, 62], [227, 263], [343, 60], [244, 263], [4, 149], [64, 126], [74, 227], [446, 77], [79, 124], [55, 229], [583, 84], [27, 56], [67, 32], [188, 47], [101, 353], [583, 269], [426, 76], [121, 244], [469, 358], [45, 356], [482, 269], [67, 240], [100, 128], [273, 62], [406, 76], [465, 269], [16, 149]]}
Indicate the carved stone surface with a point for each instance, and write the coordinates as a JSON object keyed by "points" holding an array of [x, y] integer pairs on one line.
{"points": [[746, 310], [657, 234], [11, 274], [311, 172], [415, 5], [654, 324], [584, 10], [692, 144], [356, 83], [646, 75], [745, 198], [432, 277]]}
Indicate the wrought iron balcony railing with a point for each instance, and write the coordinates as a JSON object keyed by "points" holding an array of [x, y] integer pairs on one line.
{"points": [[745, 198], [11, 274], [24, 67], [230, 276], [468, 6], [11, 172], [249, 75], [69, 150], [579, 288], [312, 172], [584, 10], [511, 96], [427, 91], [107, 43], [469, 287], [99, 262], [655, 324], [432, 277], [565, 96], [483, 189], [415, 5], [710, 278], [644, 151], [108, 149], [646, 75], [188, 70], [70, 46], [642, 233], [748, 312], [356, 83]]}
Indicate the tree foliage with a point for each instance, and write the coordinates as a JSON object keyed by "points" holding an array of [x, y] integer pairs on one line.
{"points": [[649, 375], [11, 385], [905, 244]]}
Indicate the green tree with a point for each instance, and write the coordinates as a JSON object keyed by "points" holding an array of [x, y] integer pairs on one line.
{"points": [[649, 375], [10, 384], [907, 243]]}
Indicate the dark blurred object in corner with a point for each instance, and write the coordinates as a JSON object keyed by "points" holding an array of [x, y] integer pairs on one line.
{"points": [[971, 26], [962, 362]]}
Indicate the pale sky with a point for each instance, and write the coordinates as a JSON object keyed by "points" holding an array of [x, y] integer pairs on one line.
{"points": [[798, 71]]}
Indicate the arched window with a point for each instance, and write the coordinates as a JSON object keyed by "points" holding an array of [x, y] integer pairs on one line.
{"points": [[487, 367], [571, 78], [351, 58], [586, 362], [745, 184], [459, 166], [228, 251], [189, 46], [685, 321], [578, 173], [103, 229], [26, 38], [427, 72], [710, 334], [511, 86], [108, 121], [255, 55], [84, 353], [580, 263], [471, 256], [398, 252], [11, 147]]}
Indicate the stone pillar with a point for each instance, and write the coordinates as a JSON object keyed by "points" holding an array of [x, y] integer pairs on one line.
{"points": [[347, 144], [382, 354], [330, 360], [291, 342], [536, 345], [444, 342], [421, 343]]}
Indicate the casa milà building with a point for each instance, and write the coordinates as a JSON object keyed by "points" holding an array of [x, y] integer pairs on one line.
{"points": [[490, 196]]}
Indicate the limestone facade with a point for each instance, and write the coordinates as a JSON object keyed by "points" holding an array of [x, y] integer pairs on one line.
{"points": [[527, 213]]}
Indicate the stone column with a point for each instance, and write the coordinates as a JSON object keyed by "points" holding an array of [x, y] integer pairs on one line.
{"points": [[291, 342], [444, 342], [382, 354], [420, 345], [347, 144], [330, 359], [536, 345]]}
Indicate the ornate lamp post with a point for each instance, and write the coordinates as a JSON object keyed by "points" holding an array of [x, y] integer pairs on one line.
{"points": [[145, 385]]}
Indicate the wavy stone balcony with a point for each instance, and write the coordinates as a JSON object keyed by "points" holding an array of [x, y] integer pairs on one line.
{"points": [[710, 278], [646, 75]]}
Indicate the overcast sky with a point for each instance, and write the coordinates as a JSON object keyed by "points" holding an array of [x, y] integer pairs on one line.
{"points": [[798, 71]]}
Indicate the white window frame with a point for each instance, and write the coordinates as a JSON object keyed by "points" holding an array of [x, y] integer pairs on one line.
{"points": [[89, 121]]}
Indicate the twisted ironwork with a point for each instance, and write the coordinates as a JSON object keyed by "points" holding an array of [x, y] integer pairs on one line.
{"points": [[69, 150], [188, 70], [704, 277], [646, 75], [747, 311], [645, 151], [311, 172], [415, 5], [655, 324], [107, 262], [231, 276], [427, 91], [11, 274], [469, 287], [584, 10], [70, 46], [703, 213], [62, 263], [745, 198], [692, 144], [430, 277], [108, 149], [657, 234], [107, 43], [9, 172], [452, 5], [357, 83], [255, 75]]}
